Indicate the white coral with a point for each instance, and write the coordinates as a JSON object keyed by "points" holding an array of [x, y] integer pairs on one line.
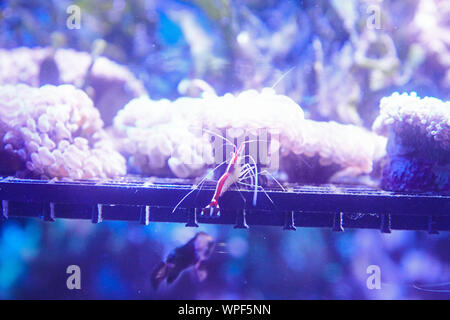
{"points": [[57, 132], [160, 134], [349, 146], [429, 116], [156, 134], [22, 65], [251, 110], [155, 137]]}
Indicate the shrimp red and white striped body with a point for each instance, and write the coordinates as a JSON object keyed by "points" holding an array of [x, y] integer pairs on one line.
{"points": [[230, 176], [235, 173]]}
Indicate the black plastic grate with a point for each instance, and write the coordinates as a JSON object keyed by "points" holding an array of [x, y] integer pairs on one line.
{"points": [[146, 200]]}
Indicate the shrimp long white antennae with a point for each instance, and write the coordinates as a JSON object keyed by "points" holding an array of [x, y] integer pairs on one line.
{"points": [[433, 287], [431, 290], [282, 77], [240, 193], [254, 170], [256, 186], [217, 135], [196, 186], [245, 171], [246, 174], [225, 139], [265, 172], [255, 194], [262, 189]]}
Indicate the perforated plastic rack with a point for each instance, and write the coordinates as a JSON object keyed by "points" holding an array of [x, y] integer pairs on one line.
{"points": [[146, 200]]}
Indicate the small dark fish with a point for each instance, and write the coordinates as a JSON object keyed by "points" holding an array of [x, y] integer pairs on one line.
{"points": [[194, 253]]}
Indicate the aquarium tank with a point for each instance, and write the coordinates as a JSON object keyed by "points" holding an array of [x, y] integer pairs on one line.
{"points": [[224, 149]]}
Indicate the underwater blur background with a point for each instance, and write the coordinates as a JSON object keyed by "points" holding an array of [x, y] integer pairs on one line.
{"points": [[335, 58]]}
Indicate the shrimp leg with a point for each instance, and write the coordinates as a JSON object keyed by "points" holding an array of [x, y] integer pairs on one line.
{"points": [[230, 176], [263, 172], [259, 187], [195, 187], [267, 173], [213, 206]]}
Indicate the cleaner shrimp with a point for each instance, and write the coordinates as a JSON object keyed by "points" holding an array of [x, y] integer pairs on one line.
{"points": [[235, 173]]}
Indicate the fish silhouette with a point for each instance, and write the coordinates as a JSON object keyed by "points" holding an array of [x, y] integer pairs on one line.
{"points": [[194, 253]]}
